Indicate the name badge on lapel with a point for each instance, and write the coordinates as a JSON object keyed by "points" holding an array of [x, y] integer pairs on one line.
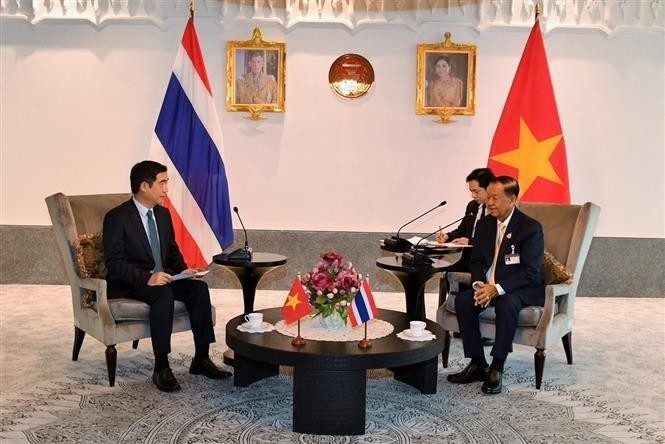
{"points": [[512, 258]]}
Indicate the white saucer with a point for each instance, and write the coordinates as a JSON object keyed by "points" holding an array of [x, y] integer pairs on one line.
{"points": [[264, 328], [406, 335]]}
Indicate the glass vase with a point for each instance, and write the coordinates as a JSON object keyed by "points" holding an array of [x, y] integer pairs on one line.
{"points": [[332, 322]]}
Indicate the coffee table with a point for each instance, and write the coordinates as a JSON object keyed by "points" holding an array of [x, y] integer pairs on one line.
{"points": [[329, 378]]}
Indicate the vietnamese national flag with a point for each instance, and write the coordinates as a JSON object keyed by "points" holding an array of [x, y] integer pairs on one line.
{"points": [[297, 303], [188, 140], [528, 143]]}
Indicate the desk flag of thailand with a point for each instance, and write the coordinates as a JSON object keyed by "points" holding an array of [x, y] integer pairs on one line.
{"points": [[188, 140], [528, 143], [297, 303], [363, 307]]}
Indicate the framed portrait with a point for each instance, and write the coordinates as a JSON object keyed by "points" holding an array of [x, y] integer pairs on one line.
{"points": [[446, 78], [255, 75]]}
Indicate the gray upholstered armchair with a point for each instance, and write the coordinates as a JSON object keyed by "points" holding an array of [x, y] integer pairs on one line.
{"points": [[77, 224], [568, 231]]}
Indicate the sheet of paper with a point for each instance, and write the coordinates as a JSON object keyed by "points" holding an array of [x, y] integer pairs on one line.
{"points": [[199, 274], [446, 245]]}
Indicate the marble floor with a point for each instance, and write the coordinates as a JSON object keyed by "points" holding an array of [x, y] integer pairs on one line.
{"points": [[614, 392]]}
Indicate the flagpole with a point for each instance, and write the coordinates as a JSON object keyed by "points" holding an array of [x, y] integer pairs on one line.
{"points": [[298, 341], [537, 11], [191, 8], [365, 343]]}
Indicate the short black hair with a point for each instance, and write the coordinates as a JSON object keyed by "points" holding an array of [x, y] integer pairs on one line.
{"points": [[482, 175], [510, 185], [145, 171]]}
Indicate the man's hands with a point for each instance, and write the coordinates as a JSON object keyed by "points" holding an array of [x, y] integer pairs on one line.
{"points": [[159, 278], [461, 241], [484, 294], [441, 237]]}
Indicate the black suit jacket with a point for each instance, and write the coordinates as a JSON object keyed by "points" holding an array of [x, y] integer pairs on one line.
{"points": [[465, 228], [523, 233], [127, 249]]}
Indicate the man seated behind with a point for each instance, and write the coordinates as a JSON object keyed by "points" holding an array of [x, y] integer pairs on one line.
{"points": [[478, 180], [506, 270], [141, 256]]}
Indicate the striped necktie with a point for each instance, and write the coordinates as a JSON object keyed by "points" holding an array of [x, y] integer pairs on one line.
{"points": [[154, 242], [502, 230]]}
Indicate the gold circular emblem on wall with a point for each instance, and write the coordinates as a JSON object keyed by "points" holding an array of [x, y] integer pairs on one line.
{"points": [[351, 76]]}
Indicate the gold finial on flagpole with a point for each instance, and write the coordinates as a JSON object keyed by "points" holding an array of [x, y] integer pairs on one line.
{"points": [[537, 10], [191, 8]]}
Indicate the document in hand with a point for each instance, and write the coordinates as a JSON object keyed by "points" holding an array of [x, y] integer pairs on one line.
{"points": [[198, 274]]}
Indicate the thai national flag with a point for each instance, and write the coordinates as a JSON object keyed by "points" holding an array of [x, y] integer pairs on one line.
{"points": [[363, 307], [188, 141]]}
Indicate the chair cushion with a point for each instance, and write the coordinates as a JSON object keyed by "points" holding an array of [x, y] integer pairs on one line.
{"points": [[554, 271], [528, 317], [125, 309], [90, 256]]}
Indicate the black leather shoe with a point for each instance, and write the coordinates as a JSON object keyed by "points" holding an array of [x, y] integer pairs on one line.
{"points": [[165, 381], [208, 369], [492, 384], [471, 373]]}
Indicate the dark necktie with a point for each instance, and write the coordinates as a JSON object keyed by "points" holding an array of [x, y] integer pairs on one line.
{"points": [[154, 242]]}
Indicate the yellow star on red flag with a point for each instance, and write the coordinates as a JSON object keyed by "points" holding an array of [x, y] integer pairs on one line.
{"points": [[296, 304], [531, 158], [292, 301]]}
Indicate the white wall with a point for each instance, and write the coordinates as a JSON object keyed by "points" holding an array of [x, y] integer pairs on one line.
{"points": [[78, 107]]}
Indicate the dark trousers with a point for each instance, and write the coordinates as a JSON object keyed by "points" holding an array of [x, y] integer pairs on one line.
{"points": [[507, 309], [160, 298]]}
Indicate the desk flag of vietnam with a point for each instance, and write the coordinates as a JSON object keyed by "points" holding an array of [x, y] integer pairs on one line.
{"points": [[297, 303], [528, 143]]}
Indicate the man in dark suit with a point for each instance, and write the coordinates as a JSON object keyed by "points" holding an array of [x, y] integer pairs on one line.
{"points": [[141, 256], [478, 180], [506, 270]]}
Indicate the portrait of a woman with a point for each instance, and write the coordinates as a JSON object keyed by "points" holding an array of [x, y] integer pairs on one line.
{"points": [[444, 89]]}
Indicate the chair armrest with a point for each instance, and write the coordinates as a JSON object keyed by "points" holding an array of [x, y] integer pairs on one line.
{"points": [[455, 278], [552, 293], [99, 287]]}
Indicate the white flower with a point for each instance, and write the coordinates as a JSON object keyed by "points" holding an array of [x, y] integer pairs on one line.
{"points": [[335, 290], [343, 303], [354, 289], [330, 295], [319, 292]]}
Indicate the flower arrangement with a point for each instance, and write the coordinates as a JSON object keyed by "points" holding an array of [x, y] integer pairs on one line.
{"points": [[331, 286]]}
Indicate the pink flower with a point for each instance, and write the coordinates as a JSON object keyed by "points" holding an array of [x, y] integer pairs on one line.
{"points": [[332, 259], [321, 281], [347, 280]]}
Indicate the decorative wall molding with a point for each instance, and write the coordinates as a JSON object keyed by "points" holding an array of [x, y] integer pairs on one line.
{"points": [[607, 16]]}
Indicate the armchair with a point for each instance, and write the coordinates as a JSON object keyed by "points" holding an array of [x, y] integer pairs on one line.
{"points": [[568, 230], [76, 220]]}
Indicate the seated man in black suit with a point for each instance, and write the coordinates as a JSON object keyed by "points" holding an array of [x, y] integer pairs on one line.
{"points": [[478, 180], [141, 256], [506, 270]]}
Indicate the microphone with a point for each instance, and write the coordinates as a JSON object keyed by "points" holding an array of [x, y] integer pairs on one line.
{"points": [[241, 254], [399, 244], [417, 258]]}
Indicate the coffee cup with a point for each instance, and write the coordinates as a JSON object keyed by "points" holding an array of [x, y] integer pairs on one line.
{"points": [[417, 328], [254, 319]]}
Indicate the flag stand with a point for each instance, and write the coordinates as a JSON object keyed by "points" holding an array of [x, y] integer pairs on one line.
{"points": [[365, 343], [298, 341]]}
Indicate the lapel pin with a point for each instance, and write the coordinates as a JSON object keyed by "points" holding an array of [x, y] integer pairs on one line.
{"points": [[509, 235]]}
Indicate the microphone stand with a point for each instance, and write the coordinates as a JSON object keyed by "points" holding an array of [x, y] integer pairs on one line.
{"points": [[241, 254], [417, 258], [397, 243]]}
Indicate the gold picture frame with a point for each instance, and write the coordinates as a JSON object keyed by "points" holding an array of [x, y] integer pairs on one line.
{"points": [[446, 79], [255, 75]]}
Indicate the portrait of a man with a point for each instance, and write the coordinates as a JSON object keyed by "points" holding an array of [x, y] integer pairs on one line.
{"points": [[256, 76]]}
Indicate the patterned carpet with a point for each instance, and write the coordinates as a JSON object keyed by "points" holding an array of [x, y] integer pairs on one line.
{"points": [[615, 391]]}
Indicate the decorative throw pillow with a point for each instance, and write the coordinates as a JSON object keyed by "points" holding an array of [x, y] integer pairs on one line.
{"points": [[90, 256], [554, 271]]}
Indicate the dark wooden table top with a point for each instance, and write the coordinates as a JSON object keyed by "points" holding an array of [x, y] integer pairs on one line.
{"points": [[387, 352]]}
